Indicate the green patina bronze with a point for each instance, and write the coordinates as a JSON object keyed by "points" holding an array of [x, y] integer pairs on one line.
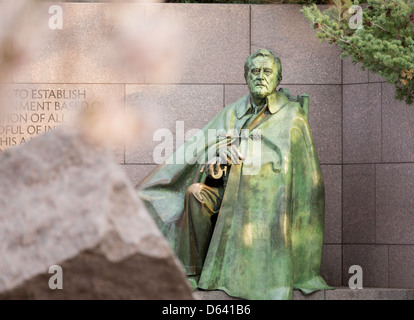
{"points": [[250, 221]]}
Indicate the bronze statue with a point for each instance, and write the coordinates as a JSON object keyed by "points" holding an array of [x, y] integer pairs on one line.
{"points": [[248, 219]]}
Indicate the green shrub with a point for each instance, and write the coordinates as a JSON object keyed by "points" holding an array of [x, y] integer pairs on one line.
{"points": [[252, 1], [384, 45]]}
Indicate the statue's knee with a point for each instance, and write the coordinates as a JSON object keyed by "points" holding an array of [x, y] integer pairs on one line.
{"points": [[207, 197], [195, 191]]}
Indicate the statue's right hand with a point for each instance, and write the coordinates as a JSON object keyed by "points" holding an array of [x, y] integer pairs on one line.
{"points": [[227, 155], [230, 154]]}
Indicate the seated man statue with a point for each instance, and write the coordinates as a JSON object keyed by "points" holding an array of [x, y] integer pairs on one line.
{"points": [[246, 214]]}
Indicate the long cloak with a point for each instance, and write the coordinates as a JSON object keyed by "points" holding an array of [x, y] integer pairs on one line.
{"points": [[268, 236]]}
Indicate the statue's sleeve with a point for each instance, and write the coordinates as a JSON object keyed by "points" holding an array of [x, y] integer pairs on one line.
{"points": [[307, 208]]}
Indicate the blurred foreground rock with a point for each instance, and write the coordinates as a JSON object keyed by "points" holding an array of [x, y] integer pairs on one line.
{"points": [[64, 201]]}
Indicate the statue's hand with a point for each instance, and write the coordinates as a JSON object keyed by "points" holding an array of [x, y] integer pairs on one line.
{"points": [[230, 154], [227, 155], [212, 167]]}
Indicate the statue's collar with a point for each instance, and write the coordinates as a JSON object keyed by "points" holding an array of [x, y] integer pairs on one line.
{"points": [[275, 102]]}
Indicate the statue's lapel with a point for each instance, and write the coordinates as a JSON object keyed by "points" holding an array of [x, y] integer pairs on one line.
{"points": [[275, 102], [243, 105]]}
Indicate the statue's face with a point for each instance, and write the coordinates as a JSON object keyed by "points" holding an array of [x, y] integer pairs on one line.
{"points": [[262, 78]]}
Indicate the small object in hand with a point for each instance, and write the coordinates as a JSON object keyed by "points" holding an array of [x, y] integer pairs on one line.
{"points": [[222, 169]]}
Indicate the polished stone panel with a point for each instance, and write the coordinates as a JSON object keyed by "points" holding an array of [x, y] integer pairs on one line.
{"points": [[395, 203], [83, 50], [232, 93], [352, 73], [284, 30], [332, 175], [375, 77], [397, 128], [372, 258], [401, 268], [172, 108], [331, 268], [215, 38], [362, 123], [359, 204]]}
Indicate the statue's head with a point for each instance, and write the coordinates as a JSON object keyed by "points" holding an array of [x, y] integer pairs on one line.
{"points": [[263, 73]]}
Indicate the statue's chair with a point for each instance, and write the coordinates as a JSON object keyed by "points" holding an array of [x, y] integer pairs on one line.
{"points": [[303, 99]]}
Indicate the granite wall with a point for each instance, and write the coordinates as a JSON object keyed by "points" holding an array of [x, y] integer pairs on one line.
{"points": [[363, 137]]}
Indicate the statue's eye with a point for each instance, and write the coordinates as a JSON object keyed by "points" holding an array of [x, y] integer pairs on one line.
{"points": [[268, 71], [255, 71]]}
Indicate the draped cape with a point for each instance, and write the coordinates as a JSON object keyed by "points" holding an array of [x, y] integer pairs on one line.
{"points": [[268, 235]]}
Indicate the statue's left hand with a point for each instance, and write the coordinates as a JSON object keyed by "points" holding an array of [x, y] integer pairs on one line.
{"points": [[212, 167], [227, 156]]}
